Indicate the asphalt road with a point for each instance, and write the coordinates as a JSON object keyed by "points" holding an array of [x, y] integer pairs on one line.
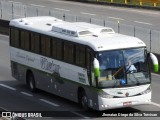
{"points": [[137, 17], [15, 96]]}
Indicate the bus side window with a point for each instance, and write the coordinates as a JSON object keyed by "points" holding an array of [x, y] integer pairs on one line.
{"points": [[14, 33], [90, 58], [35, 43], [12, 37], [54, 48], [80, 55], [48, 46], [45, 46], [25, 42], [59, 50], [68, 52]]}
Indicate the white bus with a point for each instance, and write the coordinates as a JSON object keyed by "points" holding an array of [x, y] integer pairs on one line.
{"points": [[82, 62]]}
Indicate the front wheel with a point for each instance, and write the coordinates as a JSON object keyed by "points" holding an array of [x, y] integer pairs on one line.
{"points": [[84, 101], [31, 82]]}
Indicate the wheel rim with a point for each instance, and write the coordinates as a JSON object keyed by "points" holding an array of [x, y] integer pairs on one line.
{"points": [[84, 102], [31, 84]]}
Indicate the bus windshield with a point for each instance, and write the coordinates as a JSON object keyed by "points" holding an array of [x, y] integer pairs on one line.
{"points": [[120, 68]]}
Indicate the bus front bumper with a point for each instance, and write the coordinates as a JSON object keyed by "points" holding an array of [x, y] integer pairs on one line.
{"points": [[112, 103]]}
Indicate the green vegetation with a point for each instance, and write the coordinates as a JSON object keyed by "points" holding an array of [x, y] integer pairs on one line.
{"points": [[153, 3]]}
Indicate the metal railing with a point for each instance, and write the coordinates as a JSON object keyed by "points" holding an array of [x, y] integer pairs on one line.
{"points": [[10, 11]]}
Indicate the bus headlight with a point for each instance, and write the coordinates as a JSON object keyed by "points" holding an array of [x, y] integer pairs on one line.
{"points": [[104, 95], [146, 91]]}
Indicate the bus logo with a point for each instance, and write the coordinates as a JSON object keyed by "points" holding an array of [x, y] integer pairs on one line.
{"points": [[49, 65], [6, 114]]}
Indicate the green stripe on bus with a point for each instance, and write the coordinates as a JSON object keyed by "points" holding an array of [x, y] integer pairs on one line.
{"points": [[155, 67], [61, 78], [96, 72]]}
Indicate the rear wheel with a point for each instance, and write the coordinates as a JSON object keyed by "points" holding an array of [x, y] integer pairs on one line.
{"points": [[31, 82]]}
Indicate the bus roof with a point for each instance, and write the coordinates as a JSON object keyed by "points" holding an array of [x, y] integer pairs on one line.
{"points": [[97, 37]]}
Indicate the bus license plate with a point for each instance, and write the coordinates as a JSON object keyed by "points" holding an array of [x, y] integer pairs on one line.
{"points": [[127, 103]]}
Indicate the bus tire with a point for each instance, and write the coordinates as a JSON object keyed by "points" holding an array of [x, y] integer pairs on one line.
{"points": [[84, 101], [31, 82]]}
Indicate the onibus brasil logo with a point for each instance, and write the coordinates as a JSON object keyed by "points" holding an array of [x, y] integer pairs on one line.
{"points": [[13, 115]]}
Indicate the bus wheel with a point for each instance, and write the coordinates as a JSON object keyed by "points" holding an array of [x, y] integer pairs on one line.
{"points": [[84, 101], [31, 82]]}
